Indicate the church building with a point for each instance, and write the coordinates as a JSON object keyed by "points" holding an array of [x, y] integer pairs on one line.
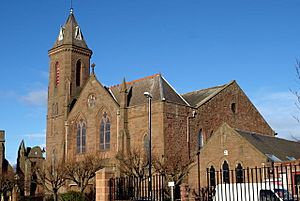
{"points": [[84, 116]]}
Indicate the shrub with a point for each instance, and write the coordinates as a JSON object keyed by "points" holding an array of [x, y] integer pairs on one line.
{"points": [[72, 196]]}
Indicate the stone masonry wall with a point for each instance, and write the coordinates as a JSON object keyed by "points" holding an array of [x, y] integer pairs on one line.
{"points": [[138, 127], [175, 131], [238, 149], [211, 115], [92, 116]]}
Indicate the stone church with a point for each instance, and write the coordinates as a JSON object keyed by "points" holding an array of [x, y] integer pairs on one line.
{"points": [[84, 116]]}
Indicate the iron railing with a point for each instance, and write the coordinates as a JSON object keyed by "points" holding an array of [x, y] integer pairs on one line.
{"points": [[136, 188], [274, 183]]}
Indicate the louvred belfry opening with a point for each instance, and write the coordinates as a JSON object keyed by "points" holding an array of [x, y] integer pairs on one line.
{"points": [[56, 73]]}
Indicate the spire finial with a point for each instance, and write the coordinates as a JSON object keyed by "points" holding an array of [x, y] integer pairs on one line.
{"points": [[93, 68], [71, 9]]}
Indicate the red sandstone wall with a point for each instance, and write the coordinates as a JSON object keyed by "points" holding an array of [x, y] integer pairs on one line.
{"points": [[238, 149], [211, 115]]}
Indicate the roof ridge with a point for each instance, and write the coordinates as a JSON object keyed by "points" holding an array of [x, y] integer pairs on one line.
{"points": [[264, 135], [218, 86], [137, 80], [251, 132], [176, 91]]}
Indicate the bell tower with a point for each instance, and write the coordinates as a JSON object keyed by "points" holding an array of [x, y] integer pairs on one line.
{"points": [[69, 71]]}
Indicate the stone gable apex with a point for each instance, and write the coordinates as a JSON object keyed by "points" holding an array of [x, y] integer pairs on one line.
{"points": [[91, 87]]}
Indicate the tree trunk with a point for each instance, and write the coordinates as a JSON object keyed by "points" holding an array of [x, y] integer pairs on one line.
{"points": [[55, 196]]}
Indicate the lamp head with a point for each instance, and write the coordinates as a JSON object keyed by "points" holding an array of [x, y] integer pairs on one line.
{"points": [[147, 94]]}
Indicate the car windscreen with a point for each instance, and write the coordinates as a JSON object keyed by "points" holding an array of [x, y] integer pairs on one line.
{"points": [[284, 194]]}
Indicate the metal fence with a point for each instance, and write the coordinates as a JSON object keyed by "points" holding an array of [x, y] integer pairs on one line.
{"points": [[137, 188], [274, 183]]}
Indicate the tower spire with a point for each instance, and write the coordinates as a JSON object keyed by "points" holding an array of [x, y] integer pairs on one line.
{"points": [[70, 33]]}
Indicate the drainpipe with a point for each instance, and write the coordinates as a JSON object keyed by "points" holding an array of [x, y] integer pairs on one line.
{"points": [[188, 132], [66, 140]]}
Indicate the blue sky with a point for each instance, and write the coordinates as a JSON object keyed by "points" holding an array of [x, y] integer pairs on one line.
{"points": [[194, 43]]}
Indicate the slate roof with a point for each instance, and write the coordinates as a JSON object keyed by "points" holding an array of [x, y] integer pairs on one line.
{"points": [[70, 34], [156, 85], [273, 147], [197, 98]]}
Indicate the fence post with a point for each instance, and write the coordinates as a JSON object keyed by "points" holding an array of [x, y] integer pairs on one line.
{"points": [[102, 183]]}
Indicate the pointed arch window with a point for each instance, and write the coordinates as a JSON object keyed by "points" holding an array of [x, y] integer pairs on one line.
{"points": [[200, 139], [81, 136], [57, 71], [78, 73], [225, 171], [105, 132], [239, 174], [212, 176]]}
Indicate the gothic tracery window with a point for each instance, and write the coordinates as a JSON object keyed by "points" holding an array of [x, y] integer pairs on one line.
{"points": [[81, 136], [104, 132]]}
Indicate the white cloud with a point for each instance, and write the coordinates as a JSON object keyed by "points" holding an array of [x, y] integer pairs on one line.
{"points": [[38, 98], [279, 110], [35, 139], [38, 135], [35, 136]]}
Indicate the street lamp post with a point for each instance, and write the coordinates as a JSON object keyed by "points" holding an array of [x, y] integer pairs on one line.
{"points": [[149, 97]]}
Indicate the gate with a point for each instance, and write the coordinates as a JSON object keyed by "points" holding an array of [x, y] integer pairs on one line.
{"points": [[136, 188]]}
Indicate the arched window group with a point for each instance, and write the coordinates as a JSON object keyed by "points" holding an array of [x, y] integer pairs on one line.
{"points": [[224, 174], [104, 132], [81, 136]]}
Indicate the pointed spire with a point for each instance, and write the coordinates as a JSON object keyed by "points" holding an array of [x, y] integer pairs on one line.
{"points": [[70, 33], [22, 146], [124, 94], [123, 86], [93, 68]]}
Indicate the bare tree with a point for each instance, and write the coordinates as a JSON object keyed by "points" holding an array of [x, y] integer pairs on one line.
{"points": [[51, 177], [134, 163], [174, 169], [81, 172], [7, 183], [297, 94]]}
